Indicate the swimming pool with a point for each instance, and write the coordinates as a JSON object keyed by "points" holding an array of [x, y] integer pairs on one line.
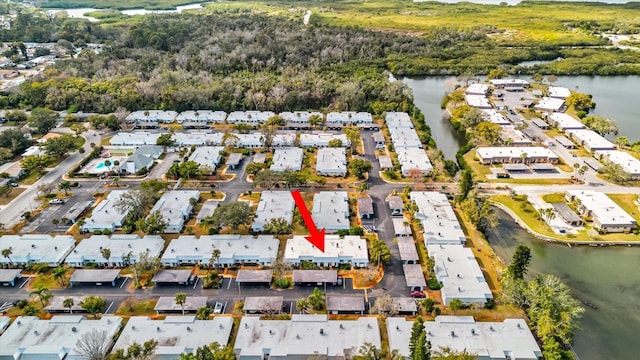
{"points": [[101, 166]]}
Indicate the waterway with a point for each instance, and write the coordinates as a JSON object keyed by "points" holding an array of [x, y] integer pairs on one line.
{"points": [[604, 278], [80, 12], [611, 94]]}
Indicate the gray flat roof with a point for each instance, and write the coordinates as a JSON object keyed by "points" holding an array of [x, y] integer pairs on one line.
{"points": [[207, 209], [8, 275], [515, 167], [592, 163], [260, 158], [328, 276], [345, 303], [94, 275], [395, 202], [77, 209], [413, 275], [172, 276], [192, 303], [407, 247], [254, 276], [263, 303], [365, 205], [540, 123], [405, 304], [385, 161], [542, 166], [234, 159], [564, 141], [566, 212]]}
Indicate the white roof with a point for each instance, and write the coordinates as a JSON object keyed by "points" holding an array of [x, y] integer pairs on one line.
{"points": [[31, 338], [331, 160], [175, 334], [249, 116], [89, 250], [157, 115], [516, 136], [4, 322], [591, 139], [299, 116], [175, 206], [207, 209], [400, 228], [134, 138], [411, 159], [349, 117], [398, 120], [287, 159], [192, 303], [197, 138], [331, 210], [302, 337], [438, 219], [413, 275], [350, 249], [559, 92], [405, 138], [515, 152], [477, 89], [477, 101], [202, 116], [565, 121], [284, 139], [550, 104], [498, 82], [106, 215], [207, 156], [495, 117], [628, 162], [36, 248], [273, 205], [487, 340], [602, 208], [322, 139], [460, 274], [248, 140], [233, 248]]}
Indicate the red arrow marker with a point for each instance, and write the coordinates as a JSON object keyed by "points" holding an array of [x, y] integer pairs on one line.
{"points": [[315, 237]]}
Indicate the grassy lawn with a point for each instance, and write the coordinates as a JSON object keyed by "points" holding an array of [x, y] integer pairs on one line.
{"points": [[553, 133], [627, 203], [12, 195], [525, 211], [535, 181], [45, 280], [554, 198], [581, 152], [133, 307], [481, 171], [31, 178]]}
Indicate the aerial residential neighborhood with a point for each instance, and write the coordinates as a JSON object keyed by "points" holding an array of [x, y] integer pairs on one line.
{"points": [[304, 180]]}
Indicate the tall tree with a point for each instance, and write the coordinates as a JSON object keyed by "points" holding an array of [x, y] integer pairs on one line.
{"points": [[93, 345], [68, 303], [153, 224], [42, 293], [520, 261], [203, 312], [106, 254], [466, 184], [455, 305], [215, 257], [136, 351], [60, 274], [6, 253], [65, 186], [181, 299], [42, 120], [232, 215], [359, 167], [94, 305]]}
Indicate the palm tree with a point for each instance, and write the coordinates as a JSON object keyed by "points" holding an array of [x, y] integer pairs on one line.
{"points": [[43, 294], [302, 305], [66, 186], [215, 256], [576, 166], [106, 254], [455, 305], [7, 254], [583, 169], [107, 164], [60, 274], [181, 299], [116, 179], [81, 223], [68, 303]]}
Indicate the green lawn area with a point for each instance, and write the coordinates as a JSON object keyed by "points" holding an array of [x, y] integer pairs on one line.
{"points": [[31, 178], [4, 200], [131, 307], [627, 203], [554, 198], [525, 211], [481, 171]]}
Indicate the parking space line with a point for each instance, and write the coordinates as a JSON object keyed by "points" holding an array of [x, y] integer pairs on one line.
{"points": [[229, 285], [196, 282], [110, 305], [25, 282], [225, 307], [124, 282]]}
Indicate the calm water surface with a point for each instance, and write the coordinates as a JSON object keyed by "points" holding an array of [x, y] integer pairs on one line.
{"points": [[604, 277]]}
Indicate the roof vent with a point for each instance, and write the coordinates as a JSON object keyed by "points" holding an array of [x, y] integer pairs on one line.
{"points": [[133, 327], [36, 332], [188, 328], [246, 246], [453, 333], [321, 331], [270, 332], [73, 329], [368, 326], [298, 336], [158, 328], [473, 331], [33, 246], [246, 326], [221, 326], [491, 328], [341, 326]]}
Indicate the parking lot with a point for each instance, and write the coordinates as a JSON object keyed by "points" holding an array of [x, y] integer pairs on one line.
{"points": [[43, 223]]}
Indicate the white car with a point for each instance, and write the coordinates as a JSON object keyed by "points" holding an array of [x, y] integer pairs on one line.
{"points": [[56, 202], [217, 309]]}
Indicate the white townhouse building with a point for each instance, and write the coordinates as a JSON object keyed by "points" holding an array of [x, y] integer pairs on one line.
{"points": [[287, 159], [518, 154], [331, 162], [477, 89], [331, 210], [234, 249], [207, 156], [591, 140], [151, 118], [349, 118], [564, 121], [300, 117], [125, 249], [606, 214], [348, 250], [322, 139], [198, 138], [438, 220], [628, 162], [36, 248], [175, 207], [134, 138], [196, 118], [249, 117], [106, 215], [477, 101], [273, 205]]}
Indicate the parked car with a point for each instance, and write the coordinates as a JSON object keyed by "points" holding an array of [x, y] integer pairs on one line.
{"points": [[217, 309], [193, 279], [56, 202], [339, 283], [14, 184], [416, 292]]}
